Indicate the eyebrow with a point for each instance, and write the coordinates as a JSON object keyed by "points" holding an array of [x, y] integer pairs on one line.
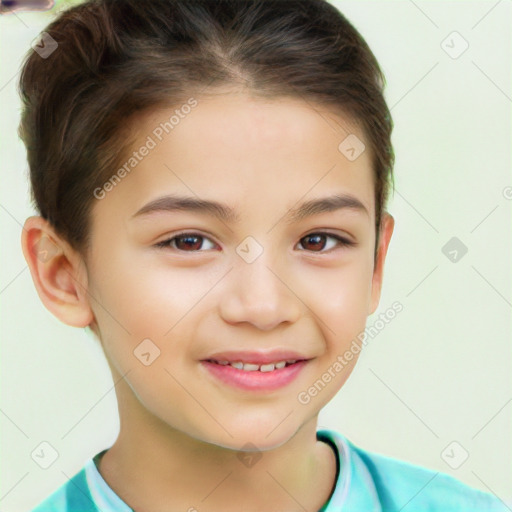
{"points": [[173, 203]]}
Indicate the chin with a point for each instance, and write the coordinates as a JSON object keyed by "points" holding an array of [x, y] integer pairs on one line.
{"points": [[252, 436]]}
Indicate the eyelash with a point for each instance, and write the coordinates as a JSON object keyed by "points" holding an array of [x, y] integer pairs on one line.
{"points": [[343, 242]]}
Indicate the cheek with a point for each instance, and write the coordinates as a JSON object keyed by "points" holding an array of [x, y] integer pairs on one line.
{"points": [[340, 297], [147, 300], [150, 314]]}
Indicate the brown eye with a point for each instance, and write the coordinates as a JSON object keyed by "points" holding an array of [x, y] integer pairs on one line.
{"points": [[315, 241], [184, 242]]}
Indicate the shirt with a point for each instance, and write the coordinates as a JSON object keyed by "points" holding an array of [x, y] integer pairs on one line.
{"points": [[365, 482]]}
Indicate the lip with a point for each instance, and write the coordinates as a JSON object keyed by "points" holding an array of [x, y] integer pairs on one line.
{"points": [[256, 380], [257, 356]]}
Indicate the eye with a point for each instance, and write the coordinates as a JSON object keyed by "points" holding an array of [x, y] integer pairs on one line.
{"points": [[318, 240], [183, 242], [192, 242]]}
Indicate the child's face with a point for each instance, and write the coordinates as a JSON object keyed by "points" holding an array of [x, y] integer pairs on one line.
{"points": [[198, 299]]}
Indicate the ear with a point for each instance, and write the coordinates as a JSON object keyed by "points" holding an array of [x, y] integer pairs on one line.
{"points": [[58, 272], [386, 230]]}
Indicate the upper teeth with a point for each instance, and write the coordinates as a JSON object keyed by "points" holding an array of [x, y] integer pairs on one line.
{"points": [[250, 367]]}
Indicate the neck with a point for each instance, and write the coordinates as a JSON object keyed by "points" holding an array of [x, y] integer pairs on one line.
{"points": [[152, 466]]}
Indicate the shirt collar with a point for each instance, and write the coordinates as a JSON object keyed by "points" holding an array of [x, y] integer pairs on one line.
{"points": [[104, 497], [355, 489]]}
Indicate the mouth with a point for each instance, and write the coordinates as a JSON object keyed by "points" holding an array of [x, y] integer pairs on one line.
{"points": [[256, 367], [258, 372]]}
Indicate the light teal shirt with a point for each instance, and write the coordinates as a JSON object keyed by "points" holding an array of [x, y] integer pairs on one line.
{"points": [[365, 482]]}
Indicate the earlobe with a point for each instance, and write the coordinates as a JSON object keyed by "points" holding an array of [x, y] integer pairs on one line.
{"points": [[386, 230], [58, 273]]}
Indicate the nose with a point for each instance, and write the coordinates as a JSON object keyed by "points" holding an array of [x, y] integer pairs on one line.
{"points": [[258, 293]]}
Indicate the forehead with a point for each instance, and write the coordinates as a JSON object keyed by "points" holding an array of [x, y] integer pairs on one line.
{"points": [[245, 150], [242, 124]]}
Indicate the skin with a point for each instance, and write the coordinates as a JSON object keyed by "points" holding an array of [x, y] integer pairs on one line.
{"points": [[182, 431]]}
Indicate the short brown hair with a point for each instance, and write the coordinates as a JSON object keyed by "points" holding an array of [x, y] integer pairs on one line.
{"points": [[117, 58]]}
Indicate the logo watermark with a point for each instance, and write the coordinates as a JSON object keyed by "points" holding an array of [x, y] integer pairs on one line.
{"points": [[158, 133], [304, 397]]}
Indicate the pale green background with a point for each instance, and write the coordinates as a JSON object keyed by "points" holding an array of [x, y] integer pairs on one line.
{"points": [[440, 371]]}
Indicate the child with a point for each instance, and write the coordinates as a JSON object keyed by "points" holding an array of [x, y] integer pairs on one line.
{"points": [[185, 157]]}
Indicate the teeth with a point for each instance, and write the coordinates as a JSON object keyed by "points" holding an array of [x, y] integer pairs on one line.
{"points": [[248, 367], [251, 367]]}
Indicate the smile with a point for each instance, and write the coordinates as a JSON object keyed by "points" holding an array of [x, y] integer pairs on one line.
{"points": [[252, 367]]}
